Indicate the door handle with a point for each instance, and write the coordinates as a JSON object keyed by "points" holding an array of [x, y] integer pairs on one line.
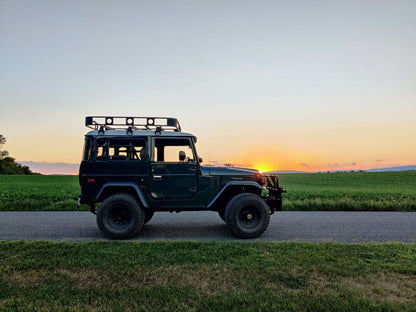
{"points": [[157, 177]]}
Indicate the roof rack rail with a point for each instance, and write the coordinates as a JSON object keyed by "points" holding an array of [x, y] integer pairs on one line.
{"points": [[136, 123]]}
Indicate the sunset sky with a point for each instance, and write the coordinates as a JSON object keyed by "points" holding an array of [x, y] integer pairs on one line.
{"points": [[275, 85]]}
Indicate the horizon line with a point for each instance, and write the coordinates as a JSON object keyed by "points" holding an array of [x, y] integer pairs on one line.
{"points": [[63, 168]]}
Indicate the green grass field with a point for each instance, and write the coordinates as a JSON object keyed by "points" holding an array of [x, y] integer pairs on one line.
{"points": [[38, 192], [349, 191], [360, 191], [192, 276]]}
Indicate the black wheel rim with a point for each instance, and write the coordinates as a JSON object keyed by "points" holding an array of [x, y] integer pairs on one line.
{"points": [[249, 217], [119, 218]]}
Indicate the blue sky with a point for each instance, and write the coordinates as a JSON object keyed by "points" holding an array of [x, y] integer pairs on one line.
{"points": [[305, 82]]}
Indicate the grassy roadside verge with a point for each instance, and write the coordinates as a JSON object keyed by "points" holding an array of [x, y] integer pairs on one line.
{"points": [[194, 276]]}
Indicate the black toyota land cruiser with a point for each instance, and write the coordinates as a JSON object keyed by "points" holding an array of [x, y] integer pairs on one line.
{"points": [[135, 166]]}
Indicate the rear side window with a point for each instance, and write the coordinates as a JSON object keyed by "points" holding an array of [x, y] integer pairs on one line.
{"points": [[121, 149], [86, 154]]}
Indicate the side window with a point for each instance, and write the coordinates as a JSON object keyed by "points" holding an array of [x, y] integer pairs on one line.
{"points": [[138, 149], [86, 155], [174, 150], [127, 149], [121, 149], [102, 149]]}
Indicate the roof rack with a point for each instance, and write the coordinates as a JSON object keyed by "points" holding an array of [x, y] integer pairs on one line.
{"points": [[130, 123]]}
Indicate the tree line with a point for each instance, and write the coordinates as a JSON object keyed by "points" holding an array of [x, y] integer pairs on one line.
{"points": [[8, 165]]}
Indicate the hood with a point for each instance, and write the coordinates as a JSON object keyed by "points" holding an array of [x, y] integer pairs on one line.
{"points": [[224, 171]]}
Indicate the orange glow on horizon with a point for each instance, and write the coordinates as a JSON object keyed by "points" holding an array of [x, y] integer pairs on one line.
{"points": [[267, 158]]}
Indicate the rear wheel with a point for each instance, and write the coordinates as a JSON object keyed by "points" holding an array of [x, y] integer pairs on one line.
{"points": [[120, 216], [247, 215]]}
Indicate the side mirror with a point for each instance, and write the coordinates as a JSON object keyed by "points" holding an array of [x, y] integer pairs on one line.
{"points": [[200, 160], [182, 155]]}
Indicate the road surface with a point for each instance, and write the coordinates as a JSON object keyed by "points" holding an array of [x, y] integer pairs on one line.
{"points": [[346, 227]]}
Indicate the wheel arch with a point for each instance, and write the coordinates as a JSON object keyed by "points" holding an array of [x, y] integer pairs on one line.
{"points": [[110, 189], [232, 189]]}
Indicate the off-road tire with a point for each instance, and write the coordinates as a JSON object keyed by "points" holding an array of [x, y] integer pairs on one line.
{"points": [[247, 215], [148, 215], [120, 217]]}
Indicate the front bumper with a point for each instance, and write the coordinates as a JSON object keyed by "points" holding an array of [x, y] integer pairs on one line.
{"points": [[274, 196]]}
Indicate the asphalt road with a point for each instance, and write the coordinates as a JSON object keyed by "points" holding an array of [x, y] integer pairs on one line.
{"points": [[346, 227]]}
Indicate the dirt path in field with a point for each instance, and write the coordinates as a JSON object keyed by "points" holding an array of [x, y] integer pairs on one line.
{"points": [[347, 227]]}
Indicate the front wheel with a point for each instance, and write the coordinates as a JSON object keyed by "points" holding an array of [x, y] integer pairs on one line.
{"points": [[247, 215], [120, 216]]}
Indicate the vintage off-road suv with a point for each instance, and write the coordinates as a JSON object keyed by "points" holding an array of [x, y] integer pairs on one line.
{"points": [[136, 166]]}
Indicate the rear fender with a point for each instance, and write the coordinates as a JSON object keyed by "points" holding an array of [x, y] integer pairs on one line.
{"points": [[109, 189]]}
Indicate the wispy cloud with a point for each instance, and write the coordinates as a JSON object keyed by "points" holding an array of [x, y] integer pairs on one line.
{"points": [[51, 167], [330, 166], [348, 166]]}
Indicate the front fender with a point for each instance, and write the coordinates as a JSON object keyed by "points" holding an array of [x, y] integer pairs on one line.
{"points": [[232, 184]]}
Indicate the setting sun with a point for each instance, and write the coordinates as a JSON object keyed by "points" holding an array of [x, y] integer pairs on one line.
{"points": [[263, 167]]}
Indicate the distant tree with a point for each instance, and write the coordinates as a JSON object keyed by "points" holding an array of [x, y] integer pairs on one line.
{"points": [[8, 164], [3, 154]]}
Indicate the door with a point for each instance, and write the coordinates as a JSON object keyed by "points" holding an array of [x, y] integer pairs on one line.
{"points": [[174, 169]]}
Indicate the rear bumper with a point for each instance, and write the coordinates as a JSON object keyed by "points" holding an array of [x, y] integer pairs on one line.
{"points": [[81, 200]]}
